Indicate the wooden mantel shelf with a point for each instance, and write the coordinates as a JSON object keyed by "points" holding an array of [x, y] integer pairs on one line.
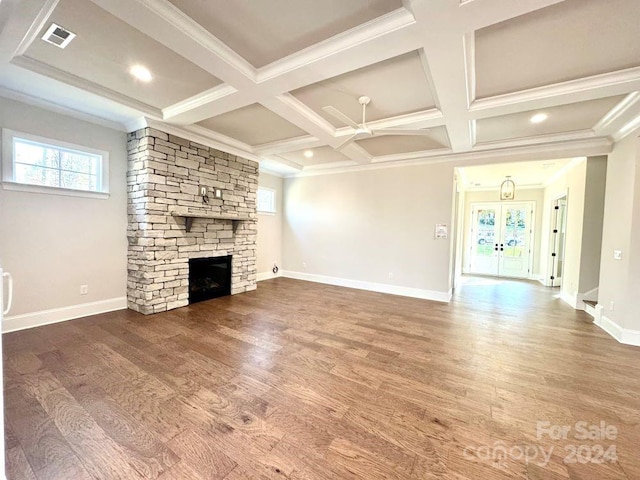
{"points": [[188, 218]]}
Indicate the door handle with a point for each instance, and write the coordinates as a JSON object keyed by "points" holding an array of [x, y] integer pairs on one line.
{"points": [[7, 275]]}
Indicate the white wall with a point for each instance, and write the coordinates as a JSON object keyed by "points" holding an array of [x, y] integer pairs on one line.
{"points": [[535, 195], [584, 185], [270, 230], [375, 227], [52, 244], [620, 279], [571, 183]]}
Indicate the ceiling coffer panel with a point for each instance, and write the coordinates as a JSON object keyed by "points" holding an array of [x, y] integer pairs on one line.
{"points": [[104, 50], [396, 86], [561, 119], [262, 31], [566, 41], [254, 125], [390, 144]]}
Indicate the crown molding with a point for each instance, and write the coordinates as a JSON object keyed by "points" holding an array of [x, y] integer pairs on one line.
{"points": [[473, 132], [198, 100], [75, 81], [617, 112], [366, 32], [469, 54], [284, 161], [36, 26], [56, 108], [627, 129], [397, 157], [616, 83], [535, 140], [570, 148], [288, 145], [531, 186], [427, 73]]}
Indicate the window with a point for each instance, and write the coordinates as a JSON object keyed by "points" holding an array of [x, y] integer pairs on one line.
{"points": [[266, 200], [49, 166]]}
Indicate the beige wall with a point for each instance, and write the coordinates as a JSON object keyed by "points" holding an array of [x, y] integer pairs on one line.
{"points": [[619, 285], [372, 226], [270, 229], [52, 244], [596, 176], [523, 195]]}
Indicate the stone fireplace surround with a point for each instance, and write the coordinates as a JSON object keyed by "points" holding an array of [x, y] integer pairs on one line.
{"points": [[164, 176]]}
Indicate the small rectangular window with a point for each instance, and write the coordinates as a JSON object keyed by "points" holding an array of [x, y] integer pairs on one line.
{"points": [[266, 200], [50, 166]]}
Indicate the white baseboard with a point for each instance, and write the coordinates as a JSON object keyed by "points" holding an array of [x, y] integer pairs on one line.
{"points": [[622, 335], [45, 317], [569, 299], [266, 276], [374, 287]]}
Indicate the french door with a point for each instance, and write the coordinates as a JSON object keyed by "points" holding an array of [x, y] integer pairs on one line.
{"points": [[501, 239]]}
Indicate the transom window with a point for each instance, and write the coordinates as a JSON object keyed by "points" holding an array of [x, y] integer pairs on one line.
{"points": [[48, 165], [266, 200]]}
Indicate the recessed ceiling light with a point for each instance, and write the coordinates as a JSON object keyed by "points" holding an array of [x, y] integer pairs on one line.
{"points": [[538, 118], [308, 153], [141, 72]]}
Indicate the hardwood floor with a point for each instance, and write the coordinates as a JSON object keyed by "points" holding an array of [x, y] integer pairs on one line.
{"points": [[306, 381]]}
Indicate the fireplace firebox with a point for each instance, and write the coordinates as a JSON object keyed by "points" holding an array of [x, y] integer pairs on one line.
{"points": [[209, 278]]}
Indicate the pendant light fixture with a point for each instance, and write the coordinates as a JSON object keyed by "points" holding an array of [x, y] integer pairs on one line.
{"points": [[507, 189]]}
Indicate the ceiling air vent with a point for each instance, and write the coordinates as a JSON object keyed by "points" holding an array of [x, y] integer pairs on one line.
{"points": [[58, 36]]}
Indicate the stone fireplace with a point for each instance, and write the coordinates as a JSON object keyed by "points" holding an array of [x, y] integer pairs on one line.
{"points": [[171, 223]]}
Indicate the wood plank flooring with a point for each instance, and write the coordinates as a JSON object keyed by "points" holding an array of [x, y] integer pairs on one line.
{"points": [[306, 381]]}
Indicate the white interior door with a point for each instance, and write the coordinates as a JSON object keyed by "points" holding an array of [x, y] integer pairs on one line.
{"points": [[501, 239]]}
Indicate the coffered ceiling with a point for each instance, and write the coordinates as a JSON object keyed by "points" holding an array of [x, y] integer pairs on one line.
{"points": [[253, 77]]}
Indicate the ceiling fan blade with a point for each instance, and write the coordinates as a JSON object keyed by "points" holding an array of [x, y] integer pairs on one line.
{"points": [[334, 112], [398, 131], [347, 142]]}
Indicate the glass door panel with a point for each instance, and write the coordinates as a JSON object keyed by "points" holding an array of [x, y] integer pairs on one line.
{"points": [[515, 240], [501, 239], [484, 256]]}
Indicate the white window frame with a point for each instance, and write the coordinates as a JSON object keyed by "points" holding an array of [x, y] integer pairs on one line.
{"points": [[275, 200], [8, 177]]}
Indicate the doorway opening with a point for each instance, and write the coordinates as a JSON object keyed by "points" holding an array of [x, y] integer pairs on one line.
{"points": [[501, 239]]}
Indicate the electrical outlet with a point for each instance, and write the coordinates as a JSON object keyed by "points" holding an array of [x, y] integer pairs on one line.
{"points": [[84, 289], [617, 254], [203, 191], [390, 275], [612, 305], [304, 264]]}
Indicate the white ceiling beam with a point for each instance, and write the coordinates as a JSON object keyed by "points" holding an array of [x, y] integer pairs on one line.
{"points": [[476, 14], [357, 56], [583, 89], [619, 116]]}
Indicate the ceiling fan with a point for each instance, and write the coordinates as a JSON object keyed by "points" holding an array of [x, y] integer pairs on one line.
{"points": [[362, 131]]}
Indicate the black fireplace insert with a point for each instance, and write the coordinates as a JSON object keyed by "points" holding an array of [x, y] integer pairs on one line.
{"points": [[209, 278]]}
